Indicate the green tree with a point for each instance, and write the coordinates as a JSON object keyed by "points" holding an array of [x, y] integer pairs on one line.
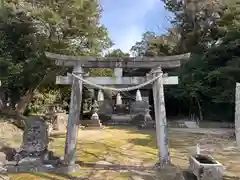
{"points": [[209, 30], [34, 27], [207, 81], [117, 53]]}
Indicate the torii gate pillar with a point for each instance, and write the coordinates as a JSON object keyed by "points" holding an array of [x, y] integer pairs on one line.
{"points": [[73, 119], [237, 114], [160, 118]]}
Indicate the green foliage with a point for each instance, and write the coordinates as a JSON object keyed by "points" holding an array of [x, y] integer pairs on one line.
{"points": [[156, 45], [210, 31], [106, 71], [117, 53], [211, 75], [41, 101], [28, 28]]}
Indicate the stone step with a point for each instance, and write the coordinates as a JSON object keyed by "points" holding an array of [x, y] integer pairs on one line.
{"points": [[191, 124], [113, 123], [94, 125], [116, 122], [93, 128], [86, 122]]}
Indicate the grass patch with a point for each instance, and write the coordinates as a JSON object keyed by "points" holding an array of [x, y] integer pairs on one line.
{"points": [[127, 146]]}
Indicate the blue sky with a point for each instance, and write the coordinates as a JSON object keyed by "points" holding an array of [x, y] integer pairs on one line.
{"points": [[127, 20]]}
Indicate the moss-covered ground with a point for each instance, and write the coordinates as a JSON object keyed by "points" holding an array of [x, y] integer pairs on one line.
{"points": [[127, 153]]}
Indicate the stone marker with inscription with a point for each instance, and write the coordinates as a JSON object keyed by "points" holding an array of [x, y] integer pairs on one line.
{"points": [[33, 155], [35, 138]]}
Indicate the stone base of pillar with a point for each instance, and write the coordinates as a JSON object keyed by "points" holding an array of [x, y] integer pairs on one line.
{"points": [[170, 171]]}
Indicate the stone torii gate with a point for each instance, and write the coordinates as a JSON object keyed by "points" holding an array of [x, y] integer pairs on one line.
{"points": [[157, 64]]}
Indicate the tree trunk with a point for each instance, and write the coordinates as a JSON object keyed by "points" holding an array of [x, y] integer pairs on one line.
{"points": [[199, 109], [23, 102], [190, 112], [179, 109]]}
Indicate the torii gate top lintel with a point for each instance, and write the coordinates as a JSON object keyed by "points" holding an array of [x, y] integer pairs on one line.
{"points": [[166, 62]]}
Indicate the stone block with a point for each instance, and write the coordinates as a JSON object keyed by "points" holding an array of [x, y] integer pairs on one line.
{"points": [[60, 122], [91, 124], [138, 107], [191, 124], [30, 161], [137, 111], [137, 119], [204, 167], [105, 110], [3, 159]]}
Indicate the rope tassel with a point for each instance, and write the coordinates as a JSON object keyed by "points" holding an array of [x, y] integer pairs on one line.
{"points": [[119, 99], [138, 96], [100, 96]]}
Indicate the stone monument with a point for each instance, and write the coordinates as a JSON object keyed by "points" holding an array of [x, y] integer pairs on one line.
{"points": [[56, 118], [35, 140], [148, 122], [137, 111], [85, 107], [33, 154], [94, 123], [60, 122], [105, 111]]}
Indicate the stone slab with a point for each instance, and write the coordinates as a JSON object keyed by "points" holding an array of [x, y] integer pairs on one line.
{"points": [[138, 107], [105, 110], [191, 124], [89, 122], [30, 161], [92, 124], [44, 168], [94, 128]]}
